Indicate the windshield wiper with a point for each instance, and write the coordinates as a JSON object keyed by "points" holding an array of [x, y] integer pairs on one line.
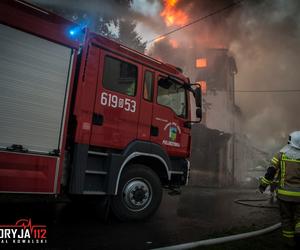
{"points": [[17, 148]]}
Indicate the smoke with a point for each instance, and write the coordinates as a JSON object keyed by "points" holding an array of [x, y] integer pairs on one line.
{"points": [[264, 38], [136, 10], [103, 7], [266, 47]]}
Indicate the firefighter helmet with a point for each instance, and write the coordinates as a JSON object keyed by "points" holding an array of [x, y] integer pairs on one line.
{"points": [[294, 139]]}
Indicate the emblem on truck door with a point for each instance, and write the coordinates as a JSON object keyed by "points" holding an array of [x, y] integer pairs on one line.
{"points": [[174, 129], [172, 133]]}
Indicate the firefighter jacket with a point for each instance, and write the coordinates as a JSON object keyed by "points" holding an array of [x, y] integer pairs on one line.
{"points": [[288, 172]]}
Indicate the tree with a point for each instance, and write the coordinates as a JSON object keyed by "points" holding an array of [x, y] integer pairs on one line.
{"points": [[129, 37], [100, 16]]}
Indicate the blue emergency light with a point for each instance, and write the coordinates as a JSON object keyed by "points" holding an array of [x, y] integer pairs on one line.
{"points": [[72, 32], [77, 33]]}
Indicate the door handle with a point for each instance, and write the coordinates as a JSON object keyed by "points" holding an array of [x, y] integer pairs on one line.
{"points": [[98, 119], [154, 131]]}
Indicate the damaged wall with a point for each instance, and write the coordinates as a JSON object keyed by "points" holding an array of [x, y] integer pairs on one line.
{"points": [[213, 142]]}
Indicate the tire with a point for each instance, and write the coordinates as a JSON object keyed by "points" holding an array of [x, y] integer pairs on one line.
{"points": [[139, 194]]}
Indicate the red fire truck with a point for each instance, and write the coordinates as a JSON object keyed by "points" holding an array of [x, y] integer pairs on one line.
{"points": [[84, 115]]}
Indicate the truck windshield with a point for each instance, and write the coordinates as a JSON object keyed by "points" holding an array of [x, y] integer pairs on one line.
{"points": [[173, 97]]}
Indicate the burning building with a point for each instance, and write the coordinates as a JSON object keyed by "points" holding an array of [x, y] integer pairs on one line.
{"points": [[213, 153], [221, 151], [222, 154], [208, 63]]}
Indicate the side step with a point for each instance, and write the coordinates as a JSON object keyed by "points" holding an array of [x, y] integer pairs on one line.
{"points": [[94, 193], [96, 172], [97, 153]]}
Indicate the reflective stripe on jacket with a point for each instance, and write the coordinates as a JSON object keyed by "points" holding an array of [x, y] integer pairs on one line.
{"points": [[289, 178]]}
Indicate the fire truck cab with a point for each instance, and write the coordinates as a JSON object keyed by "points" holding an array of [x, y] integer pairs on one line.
{"points": [[83, 115]]}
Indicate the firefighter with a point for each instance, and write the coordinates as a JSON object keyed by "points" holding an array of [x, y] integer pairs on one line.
{"points": [[286, 164]]}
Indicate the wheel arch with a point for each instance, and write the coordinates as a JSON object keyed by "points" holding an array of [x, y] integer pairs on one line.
{"points": [[153, 161]]}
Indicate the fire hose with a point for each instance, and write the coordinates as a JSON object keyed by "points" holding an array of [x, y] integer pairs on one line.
{"points": [[221, 239], [246, 203], [229, 238]]}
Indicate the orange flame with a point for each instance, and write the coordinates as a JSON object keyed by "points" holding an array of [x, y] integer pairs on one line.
{"points": [[174, 43], [172, 15], [201, 63]]}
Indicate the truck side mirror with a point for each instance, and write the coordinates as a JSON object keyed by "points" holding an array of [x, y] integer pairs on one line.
{"points": [[198, 97], [188, 124], [199, 113]]}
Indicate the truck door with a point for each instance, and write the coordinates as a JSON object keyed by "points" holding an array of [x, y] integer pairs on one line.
{"points": [[162, 116], [169, 115], [116, 111], [146, 104]]}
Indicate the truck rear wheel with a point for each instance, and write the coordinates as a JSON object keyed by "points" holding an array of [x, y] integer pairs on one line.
{"points": [[139, 193]]}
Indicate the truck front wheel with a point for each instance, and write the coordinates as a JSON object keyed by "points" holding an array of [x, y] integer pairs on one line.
{"points": [[139, 193]]}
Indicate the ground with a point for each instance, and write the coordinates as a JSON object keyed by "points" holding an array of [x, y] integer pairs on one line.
{"points": [[197, 214]]}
